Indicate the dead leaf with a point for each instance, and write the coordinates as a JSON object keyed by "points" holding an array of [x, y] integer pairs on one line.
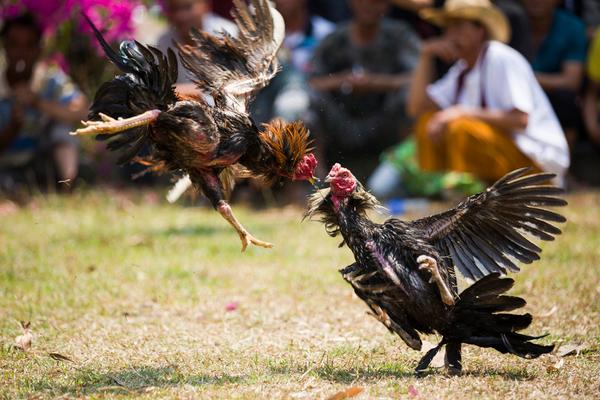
{"points": [[570, 349], [59, 357], [412, 391], [556, 366], [438, 360], [346, 394], [23, 341]]}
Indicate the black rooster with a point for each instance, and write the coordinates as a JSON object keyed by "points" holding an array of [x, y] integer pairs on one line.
{"points": [[404, 271], [211, 144]]}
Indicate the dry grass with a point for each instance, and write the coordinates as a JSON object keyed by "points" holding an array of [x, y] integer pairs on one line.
{"points": [[135, 293]]}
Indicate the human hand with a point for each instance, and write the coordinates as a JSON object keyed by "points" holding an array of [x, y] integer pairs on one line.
{"points": [[360, 83], [440, 47], [440, 120]]}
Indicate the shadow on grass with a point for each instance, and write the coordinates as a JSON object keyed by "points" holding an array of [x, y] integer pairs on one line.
{"points": [[368, 373], [346, 375], [193, 230], [136, 379], [207, 230]]}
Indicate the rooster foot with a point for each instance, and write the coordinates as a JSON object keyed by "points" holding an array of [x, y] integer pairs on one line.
{"points": [[246, 238], [109, 125], [429, 264]]}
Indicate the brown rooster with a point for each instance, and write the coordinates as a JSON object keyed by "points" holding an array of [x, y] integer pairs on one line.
{"points": [[208, 143]]}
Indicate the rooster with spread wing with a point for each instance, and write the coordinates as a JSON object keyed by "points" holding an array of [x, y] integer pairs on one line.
{"points": [[211, 144], [404, 271]]}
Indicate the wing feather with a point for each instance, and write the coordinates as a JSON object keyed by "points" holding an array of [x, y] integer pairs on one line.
{"points": [[230, 68], [487, 232]]}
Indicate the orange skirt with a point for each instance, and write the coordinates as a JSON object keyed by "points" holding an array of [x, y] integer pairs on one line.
{"points": [[470, 145]]}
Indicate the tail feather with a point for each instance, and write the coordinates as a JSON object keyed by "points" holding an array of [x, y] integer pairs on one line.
{"points": [[146, 85], [490, 285], [479, 320], [519, 345], [498, 303]]}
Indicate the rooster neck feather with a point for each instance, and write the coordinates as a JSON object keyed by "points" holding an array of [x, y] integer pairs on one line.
{"points": [[355, 206], [281, 146]]}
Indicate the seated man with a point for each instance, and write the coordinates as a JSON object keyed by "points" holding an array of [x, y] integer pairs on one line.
{"points": [[488, 115], [38, 108], [559, 42], [360, 75]]}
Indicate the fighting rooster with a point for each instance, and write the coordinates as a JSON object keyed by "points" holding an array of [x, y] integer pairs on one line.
{"points": [[404, 271], [211, 144]]}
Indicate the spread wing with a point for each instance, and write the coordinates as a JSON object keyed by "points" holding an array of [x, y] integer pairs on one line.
{"points": [[486, 232], [230, 68]]}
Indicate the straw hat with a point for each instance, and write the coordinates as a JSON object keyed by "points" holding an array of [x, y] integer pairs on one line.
{"points": [[482, 11]]}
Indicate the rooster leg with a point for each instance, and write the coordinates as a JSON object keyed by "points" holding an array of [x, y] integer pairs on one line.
{"points": [[225, 210], [429, 264], [109, 125]]}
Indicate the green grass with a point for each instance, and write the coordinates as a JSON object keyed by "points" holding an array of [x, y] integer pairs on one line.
{"points": [[135, 293]]}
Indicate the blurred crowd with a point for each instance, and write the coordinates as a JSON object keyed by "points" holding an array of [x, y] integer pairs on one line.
{"points": [[416, 97]]}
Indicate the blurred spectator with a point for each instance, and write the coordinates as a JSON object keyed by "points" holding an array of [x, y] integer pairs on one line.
{"points": [[591, 108], [587, 10], [331, 10], [488, 115], [223, 8], [38, 108], [559, 41], [361, 72], [182, 16], [520, 38], [303, 31], [287, 95]]}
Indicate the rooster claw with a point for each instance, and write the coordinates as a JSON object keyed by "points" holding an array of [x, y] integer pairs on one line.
{"points": [[110, 125], [430, 264], [247, 238]]}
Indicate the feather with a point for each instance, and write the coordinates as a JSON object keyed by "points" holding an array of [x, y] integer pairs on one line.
{"points": [[233, 68], [180, 187], [488, 227]]}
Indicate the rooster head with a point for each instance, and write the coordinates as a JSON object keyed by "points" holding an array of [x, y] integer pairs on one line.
{"points": [[289, 145], [345, 193], [341, 182]]}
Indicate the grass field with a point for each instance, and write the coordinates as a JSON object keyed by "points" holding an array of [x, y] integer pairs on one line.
{"points": [[152, 300]]}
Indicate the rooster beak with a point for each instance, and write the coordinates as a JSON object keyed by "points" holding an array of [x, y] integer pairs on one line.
{"points": [[313, 180], [327, 179]]}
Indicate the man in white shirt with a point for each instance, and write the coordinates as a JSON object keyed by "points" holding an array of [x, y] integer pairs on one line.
{"points": [[488, 115]]}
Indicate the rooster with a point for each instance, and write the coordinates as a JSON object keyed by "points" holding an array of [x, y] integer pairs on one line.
{"points": [[210, 143], [404, 271]]}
